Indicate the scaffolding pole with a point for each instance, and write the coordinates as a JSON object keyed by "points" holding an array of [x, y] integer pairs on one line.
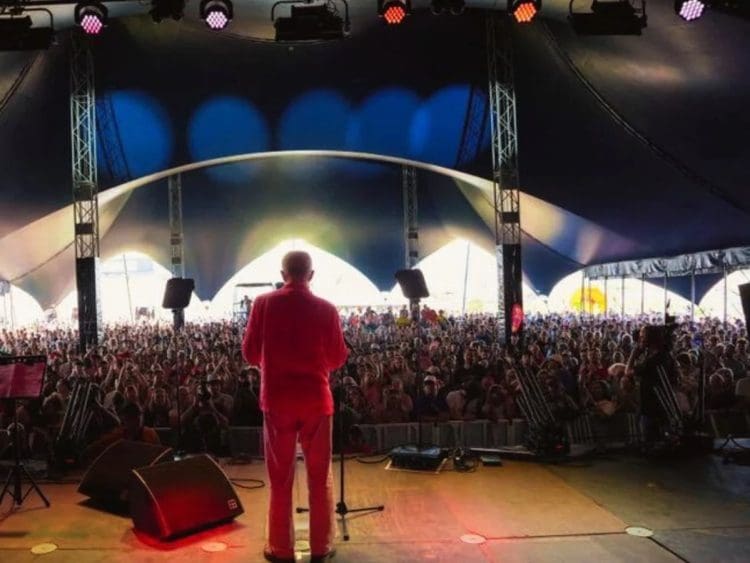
{"points": [[175, 226], [85, 188], [505, 178], [411, 217], [174, 184]]}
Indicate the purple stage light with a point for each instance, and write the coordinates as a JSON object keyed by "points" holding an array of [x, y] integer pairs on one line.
{"points": [[691, 9]]}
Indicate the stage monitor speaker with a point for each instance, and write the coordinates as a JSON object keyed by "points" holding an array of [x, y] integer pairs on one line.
{"points": [[745, 298], [108, 477], [178, 498], [412, 284], [177, 293]]}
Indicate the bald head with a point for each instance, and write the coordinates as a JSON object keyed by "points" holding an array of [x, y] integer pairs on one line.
{"points": [[296, 266]]}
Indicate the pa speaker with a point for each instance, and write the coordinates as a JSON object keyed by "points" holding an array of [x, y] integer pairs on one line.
{"points": [[745, 298], [177, 293], [175, 499], [108, 477], [412, 284]]}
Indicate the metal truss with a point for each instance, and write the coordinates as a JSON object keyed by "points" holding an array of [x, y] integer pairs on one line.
{"points": [[175, 225], [111, 143], [85, 201], [83, 141], [475, 124], [411, 222], [506, 201]]}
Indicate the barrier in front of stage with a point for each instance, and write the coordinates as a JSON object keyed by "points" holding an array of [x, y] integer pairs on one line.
{"points": [[620, 430]]}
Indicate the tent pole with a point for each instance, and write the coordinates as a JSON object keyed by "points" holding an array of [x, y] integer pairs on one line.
{"points": [[622, 296], [665, 298], [466, 277], [692, 296], [127, 287], [583, 293], [726, 294], [606, 297], [643, 291]]}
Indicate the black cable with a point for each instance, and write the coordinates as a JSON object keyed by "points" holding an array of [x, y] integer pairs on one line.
{"points": [[381, 459], [238, 483]]}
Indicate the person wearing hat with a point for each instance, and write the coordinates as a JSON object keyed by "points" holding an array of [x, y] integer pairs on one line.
{"points": [[429, 406], [223, 402], [296, 339]]}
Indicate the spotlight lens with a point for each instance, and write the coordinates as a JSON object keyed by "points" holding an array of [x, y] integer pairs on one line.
{"points": [[216, 19], [692, 10], [525, 12], [91, 24], [394, 14]]}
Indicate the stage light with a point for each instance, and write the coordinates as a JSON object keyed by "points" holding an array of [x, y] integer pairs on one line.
{"points": [[216, 13], [311, 22], [689, 10], [394, 11], [453, 7], [618, 17], [163, 9], [524, 10], [91, 16]]}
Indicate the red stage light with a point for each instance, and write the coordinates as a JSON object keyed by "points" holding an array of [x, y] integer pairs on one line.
{"points": [[394, 14], [525, 12], [395, 11]]}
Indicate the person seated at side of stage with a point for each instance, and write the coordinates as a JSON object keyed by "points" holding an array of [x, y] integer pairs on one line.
{"points": [[131, 428]]}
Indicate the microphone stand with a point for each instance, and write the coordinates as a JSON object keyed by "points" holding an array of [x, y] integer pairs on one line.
{"points": [[341, 507], [18, 471]]}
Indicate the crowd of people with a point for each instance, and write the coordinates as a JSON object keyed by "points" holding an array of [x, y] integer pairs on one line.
{"points": [[444, 367]]}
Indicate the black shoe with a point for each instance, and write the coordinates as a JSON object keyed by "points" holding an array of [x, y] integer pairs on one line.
{"points": [[276, 559], [322, 558]]}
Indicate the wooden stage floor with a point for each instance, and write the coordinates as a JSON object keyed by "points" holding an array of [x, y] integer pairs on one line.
{"points": [[699, 511]]}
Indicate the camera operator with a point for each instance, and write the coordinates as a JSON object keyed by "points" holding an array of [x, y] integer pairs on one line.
{"points": [[647, 358], [204, 421], [246, 411]]}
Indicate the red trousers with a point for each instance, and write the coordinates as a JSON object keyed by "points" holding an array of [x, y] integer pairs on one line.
{"points": [[280, 433]]}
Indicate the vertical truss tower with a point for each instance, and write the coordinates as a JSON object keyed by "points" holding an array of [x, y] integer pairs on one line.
{"points": [[502, 99], [85, 202]]}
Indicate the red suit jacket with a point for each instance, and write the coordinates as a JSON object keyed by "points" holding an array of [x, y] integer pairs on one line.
{"points": [[296, 339]]}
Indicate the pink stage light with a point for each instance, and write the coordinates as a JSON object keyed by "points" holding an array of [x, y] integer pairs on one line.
{"points": [[91, 24], [216, 19], [91, 16], [216, 13], [690, 10]]}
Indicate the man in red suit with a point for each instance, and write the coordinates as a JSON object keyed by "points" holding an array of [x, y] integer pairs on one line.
{"points": [[296, 339]]}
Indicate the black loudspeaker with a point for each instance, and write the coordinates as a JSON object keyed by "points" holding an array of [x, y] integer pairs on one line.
{"points": [[745, 298], [177, 293], [108, 477], [412, 284], [178, 498]]}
